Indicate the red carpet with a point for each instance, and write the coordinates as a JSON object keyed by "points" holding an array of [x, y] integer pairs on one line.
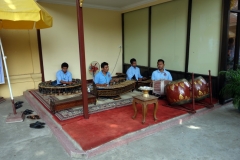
{"points": [[108, 125]]}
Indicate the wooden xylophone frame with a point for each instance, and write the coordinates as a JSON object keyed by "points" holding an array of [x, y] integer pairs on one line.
{"points": [[70, 103], [113, 91]]}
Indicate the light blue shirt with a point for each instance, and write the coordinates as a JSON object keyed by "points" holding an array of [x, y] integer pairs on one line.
{"points": [[61, 76], [133, 71], [100, 78], [165, 75]]}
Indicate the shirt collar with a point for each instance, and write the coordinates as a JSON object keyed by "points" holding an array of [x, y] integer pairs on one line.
{"points": [[64, 73], [161, 72], [133, 67], [103, 74]]}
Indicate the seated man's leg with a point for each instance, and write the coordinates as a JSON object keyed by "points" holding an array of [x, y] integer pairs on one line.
{"points": [[54, 83]]}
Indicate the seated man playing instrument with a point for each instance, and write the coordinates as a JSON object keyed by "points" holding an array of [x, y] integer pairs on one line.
{"points": [[161, 73], [133, 72], [64, 77], [103, 77]]}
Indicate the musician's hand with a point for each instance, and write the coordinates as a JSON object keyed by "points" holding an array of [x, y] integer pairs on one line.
{"points": [[140, 79], [144, 78]]}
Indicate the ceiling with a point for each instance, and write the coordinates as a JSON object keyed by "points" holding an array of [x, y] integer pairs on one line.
{"points": [[103, 4]]}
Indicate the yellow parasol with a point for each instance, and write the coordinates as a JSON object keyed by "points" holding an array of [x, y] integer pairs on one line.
{"points": [[21, 14]]}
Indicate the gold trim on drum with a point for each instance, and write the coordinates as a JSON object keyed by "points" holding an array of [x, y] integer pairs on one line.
{"points": [[182, 85], [172, 87], [199, 82], [181, 97]]}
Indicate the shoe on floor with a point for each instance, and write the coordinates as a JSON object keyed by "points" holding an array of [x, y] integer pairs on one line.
{"points": [[33, 117], [18, 102], [36, 126], [36, 123], [27, 112], [18, 106]]}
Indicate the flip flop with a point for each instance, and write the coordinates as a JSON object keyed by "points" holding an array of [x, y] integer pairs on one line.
{"points": [[117, 98], [18, 102], [36, 126], [40, 123], [27, 111], [33, 117], [18, 106]]}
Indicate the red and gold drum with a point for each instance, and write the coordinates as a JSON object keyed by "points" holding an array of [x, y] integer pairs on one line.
{"points": [[178, 92], [201, 89]]}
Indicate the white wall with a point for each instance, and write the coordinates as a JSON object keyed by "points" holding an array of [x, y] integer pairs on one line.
{"points": [[168, 34], [136, 36], [102, 31], [205, 36]]}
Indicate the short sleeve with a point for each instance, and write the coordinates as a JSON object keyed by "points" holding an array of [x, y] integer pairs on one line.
{"points": [[70, 77], [96, 79], [153, 76], [110, 77], [169, 76], [59, 77], [139, 74]]}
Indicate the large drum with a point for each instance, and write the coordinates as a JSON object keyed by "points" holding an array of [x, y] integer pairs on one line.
{"points": [[201, 89], [159, 87], [178, 92]]}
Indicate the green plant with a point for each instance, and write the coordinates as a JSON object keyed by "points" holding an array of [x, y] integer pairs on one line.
{"points": [[232, 86]]}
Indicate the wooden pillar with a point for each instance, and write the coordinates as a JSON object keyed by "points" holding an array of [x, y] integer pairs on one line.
{"points": [[188, 37], [82, 58], [222, 64], [40, 53]]}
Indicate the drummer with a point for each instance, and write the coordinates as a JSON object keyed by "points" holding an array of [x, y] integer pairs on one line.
{"points": [[103, 77], [161, 73], [133, 72]]}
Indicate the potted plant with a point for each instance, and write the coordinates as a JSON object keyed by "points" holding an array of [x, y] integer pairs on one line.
{"points": [[232, 86]]}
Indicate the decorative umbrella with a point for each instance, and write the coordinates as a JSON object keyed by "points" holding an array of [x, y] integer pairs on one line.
{"points": [[21, 14]]}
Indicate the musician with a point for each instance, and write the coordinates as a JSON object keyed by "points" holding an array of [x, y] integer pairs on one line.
{"points": [[161, 73], [133, 72], [103, 77], [64, 77]]}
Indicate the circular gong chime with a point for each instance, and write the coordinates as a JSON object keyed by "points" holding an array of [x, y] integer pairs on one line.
{"points": [[46, 88]]}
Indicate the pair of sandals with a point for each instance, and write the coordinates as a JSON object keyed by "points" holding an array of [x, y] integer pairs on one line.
{"points": [[37, 125], [33, 117], [27, 112], [18, 104]]}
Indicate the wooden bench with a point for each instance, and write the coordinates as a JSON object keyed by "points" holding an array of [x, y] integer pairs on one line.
{"points": [[70, 103]]}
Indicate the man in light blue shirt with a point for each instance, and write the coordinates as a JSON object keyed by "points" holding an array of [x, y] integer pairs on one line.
{"points": [[103, 77], [64, 77], [161, 73], [133, 72]]}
